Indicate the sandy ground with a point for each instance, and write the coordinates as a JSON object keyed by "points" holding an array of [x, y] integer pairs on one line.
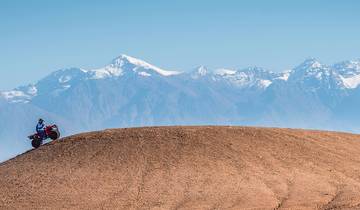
{"points": [[187, 168]]}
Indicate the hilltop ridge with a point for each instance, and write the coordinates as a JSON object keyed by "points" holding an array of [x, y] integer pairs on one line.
{"points": [[187, 168]]}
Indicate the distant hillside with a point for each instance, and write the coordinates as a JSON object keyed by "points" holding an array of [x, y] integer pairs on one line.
{"points": [[187, 168]]}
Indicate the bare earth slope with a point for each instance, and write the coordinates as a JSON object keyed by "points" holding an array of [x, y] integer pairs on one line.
{"points": [[187, 168]]}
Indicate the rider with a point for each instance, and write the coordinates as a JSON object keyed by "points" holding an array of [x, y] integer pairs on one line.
{"points": [[40, 128]]}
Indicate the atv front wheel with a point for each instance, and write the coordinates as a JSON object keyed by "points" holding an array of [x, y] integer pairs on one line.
{"points": [[54, 135]]}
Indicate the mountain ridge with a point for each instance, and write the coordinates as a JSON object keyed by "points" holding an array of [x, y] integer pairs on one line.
{"points": [[348, 73]]}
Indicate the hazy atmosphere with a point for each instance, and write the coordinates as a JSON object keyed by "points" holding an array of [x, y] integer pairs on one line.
{"points": [[180, 104]]}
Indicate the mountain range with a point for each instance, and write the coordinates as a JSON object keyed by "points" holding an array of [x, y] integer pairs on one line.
{"points": [[129, 92]]}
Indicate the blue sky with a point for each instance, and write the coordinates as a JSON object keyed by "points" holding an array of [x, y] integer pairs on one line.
{"points": [[40, 36]]}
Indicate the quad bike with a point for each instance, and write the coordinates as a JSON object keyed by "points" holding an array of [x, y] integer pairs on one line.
{"points": [[51, 132]]}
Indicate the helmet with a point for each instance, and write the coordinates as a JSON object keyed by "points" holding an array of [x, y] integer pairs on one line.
{"points": [[41, 120]]}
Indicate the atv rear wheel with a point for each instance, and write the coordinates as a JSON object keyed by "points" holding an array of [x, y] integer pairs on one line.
{"points": [[36, 142]]}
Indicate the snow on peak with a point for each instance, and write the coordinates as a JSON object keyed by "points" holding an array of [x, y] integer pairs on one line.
{"points": [[316, 64], [122, 60], [224, 72], [349, 73], [310, 63], [66, 75], [310, 68], [32, 90], [351, 82], [252, 77], [348, 67], [284, 75], [354, 64], [64, 79], [107, 71], [13, 93], [15, 96], [350, 64], [265, 83], [21, 94], [199, 72], [124, 63], [202, 70], [143, 73]]}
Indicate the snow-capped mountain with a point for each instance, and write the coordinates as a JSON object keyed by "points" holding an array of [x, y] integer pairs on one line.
{"points": [[126, 64], [64, 79], [249, 77], [313, 73], [131, 92], [349, 72]]}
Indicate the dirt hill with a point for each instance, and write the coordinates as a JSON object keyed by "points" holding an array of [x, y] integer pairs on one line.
{"points": [[187, 168]]}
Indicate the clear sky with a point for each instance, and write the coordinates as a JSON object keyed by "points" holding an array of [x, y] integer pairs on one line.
{"points": [[41, 36]]}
